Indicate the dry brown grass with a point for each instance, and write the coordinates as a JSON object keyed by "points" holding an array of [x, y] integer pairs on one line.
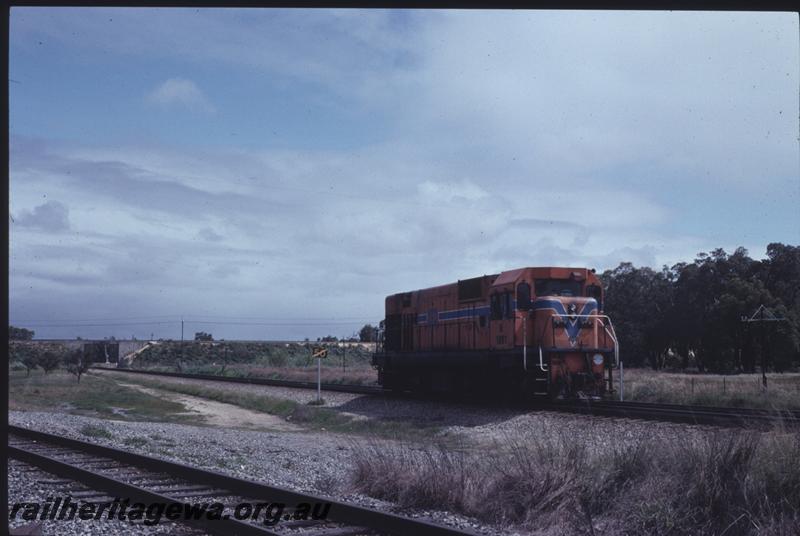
{"points": [[739, 390], [329, 374], [732, 482]]}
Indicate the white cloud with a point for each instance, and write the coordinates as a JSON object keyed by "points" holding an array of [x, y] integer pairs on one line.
{"points": [[326, 236], [450, 191], [697, 97], [511, 139], [208, 234], [180, 92]]}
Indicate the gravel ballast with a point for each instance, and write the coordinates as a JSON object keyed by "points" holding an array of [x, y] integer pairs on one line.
{"points": [[27, 483], [317, 462]]}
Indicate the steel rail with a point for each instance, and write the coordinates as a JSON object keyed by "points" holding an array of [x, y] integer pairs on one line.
{"points": [[340, 512], [134, 493], [683, 414], [757, 412]]}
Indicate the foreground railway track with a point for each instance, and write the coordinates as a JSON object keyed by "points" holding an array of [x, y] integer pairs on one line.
{"points": [[108, 473], [706, 415]]}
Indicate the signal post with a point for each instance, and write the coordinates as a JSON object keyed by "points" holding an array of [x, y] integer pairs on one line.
{"points": [[319, 353]]}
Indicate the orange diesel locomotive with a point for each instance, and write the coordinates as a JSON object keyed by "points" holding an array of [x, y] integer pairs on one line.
{"points": [[534, 331]]}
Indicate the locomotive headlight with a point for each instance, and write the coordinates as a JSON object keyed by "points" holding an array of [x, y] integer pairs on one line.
{"points": [[598, 359]]}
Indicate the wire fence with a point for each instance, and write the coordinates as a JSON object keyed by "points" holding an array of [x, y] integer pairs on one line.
{"points": [[665, 387]]}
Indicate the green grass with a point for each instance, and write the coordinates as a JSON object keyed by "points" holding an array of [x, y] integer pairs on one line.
{"points": [[309, 417], [94, 395]]}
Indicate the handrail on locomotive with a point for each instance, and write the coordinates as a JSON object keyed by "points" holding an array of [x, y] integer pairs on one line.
{"points": [[611, 334], [595, 320]]}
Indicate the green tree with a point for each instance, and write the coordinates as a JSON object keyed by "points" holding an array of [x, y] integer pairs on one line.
{"points": [[367, 333], [19, 334], [77, 363], [26, 355], [785, 341], [717, 290], [639, 300], [696, 308], [49, 360], [781, 274]]}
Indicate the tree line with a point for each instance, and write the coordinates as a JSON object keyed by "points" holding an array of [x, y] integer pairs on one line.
{"points": [[49, 358], [685, 316], [691, 315]]}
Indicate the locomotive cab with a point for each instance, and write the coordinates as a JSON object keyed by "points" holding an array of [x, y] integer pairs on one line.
{"points": [[575, 341]]}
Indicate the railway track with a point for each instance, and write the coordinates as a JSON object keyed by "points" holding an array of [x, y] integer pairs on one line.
{"points": [[606, 408], [107, 473], [738, 417]]}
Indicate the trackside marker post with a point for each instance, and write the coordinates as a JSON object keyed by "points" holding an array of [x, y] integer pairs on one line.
{"points": [[319, 354]]}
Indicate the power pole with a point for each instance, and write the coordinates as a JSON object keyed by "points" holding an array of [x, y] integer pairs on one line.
{"points": [[763, 352], [181, 337], [759, 316]]}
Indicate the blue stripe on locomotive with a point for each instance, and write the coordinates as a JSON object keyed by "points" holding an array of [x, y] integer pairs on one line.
{"points": [[433, 316], [571, 325]]}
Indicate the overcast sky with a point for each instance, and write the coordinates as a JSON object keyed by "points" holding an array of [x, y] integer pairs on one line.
{"points": [[291, 168]]}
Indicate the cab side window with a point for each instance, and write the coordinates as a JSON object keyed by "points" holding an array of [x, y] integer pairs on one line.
{"points": [[523, 296], [594, 291], [496, 307]]}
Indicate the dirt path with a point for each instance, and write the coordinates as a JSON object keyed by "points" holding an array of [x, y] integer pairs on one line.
{"points": [[220, 413]]}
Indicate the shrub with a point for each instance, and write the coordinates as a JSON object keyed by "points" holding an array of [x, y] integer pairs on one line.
{"points": [[732, 482], [277, 359], [49, 361], [28, 357]]}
